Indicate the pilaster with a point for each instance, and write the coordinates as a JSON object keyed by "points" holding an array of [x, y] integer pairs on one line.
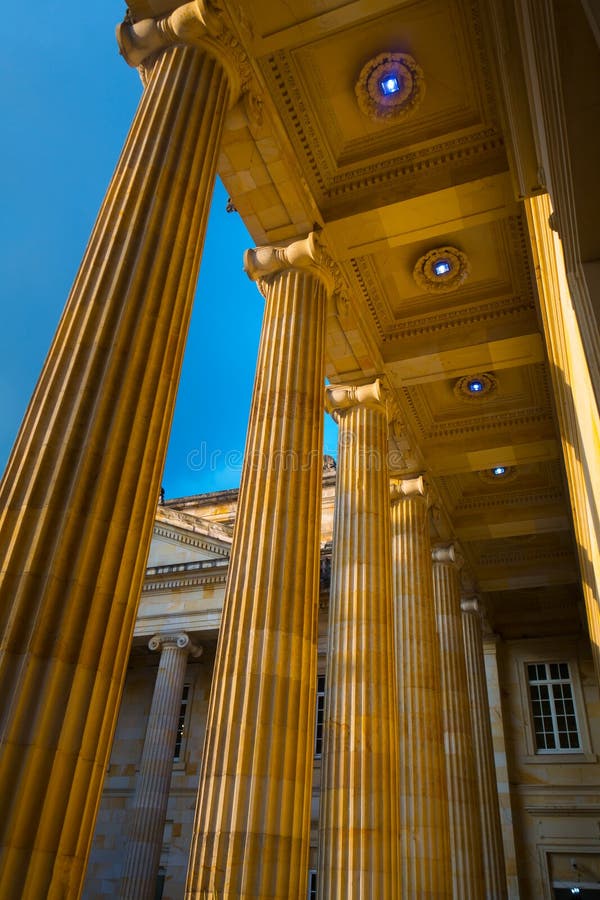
{"points": [[251, 834], [79, 494], [358, 849], [465, 830], [149, 808], [424, 825]]}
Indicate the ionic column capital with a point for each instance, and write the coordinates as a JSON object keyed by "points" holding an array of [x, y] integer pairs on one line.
{"points": [[413, 488], [342, 397], [262, 264], [179, 639], [448, 554], [471, 605], [197, 24]]}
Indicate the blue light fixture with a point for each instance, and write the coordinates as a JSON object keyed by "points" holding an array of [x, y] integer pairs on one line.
{"points": [[499, 471], [475, 386], [441, 267], [389, 85]]}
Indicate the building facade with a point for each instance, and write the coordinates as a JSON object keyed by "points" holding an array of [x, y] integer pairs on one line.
{"points": [[541, 835], [420, 180]]}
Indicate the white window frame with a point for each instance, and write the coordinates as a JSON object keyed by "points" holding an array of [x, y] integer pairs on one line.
{"points": [[179, 760], [549, 681], [319, 707], [546, 652]]}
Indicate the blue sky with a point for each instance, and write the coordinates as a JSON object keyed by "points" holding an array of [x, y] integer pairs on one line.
{"points": [[67, 103]]}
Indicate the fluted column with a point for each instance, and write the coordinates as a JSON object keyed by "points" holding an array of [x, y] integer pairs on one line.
{"points": [[358, 832], [80, 490], [424, 825], [251, 834], [149, 808], [465, 831], [494, 870]]}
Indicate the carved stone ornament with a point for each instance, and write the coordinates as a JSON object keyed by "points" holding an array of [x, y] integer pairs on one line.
{"points": [[407, 86], [199, 24], [264, 263], [442, 269], [486, 382], [180, 640], [341, 397], [408, 488]]}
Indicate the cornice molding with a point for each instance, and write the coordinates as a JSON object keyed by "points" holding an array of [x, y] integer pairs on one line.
{"points": [[505, 499], [190, 540], [533, 554]]}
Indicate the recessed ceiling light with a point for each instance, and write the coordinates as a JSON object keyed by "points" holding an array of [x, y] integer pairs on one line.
{"points": [[475, 386], [442, 267], [499, 471], [390, 84]]}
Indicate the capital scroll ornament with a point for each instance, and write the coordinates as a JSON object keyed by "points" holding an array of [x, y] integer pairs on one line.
{"points": [[261, 264], [180, 640], [201, 24], [341, 397], [408, 488], [471, 605], [447, 554]]}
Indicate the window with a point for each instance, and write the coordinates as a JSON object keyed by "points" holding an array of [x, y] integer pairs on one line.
{"points": [[160, 883], [319, 717], [553, 708], [312, 880], [181, 723]]}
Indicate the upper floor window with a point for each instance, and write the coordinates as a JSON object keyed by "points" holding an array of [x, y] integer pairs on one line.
{"points": [[312, 884], [553, 707], [319, 715], [181, 723]]}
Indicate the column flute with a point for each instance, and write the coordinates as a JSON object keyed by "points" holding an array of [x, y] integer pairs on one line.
{"points": [[149, 807], [424, 824], [80, 490], [252, 827], [358, 831], [465, 830]]}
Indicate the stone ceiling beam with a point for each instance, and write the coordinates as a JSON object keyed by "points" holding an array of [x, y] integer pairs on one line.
{"points": [[507, 353], [453, 463], [424, 217]]}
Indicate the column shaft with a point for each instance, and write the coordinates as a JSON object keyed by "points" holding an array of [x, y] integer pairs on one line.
{"points": [[358, 841], [149, 808], [80, 490], [491, 833], [424, 825], [465, 831], [251, 834]]}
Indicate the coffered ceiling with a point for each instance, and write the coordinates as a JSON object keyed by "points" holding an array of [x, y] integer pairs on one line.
{"points": [[383, 191]]}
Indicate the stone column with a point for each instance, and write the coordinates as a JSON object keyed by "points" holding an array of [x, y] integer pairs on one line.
{"points": [[149, 808], [251, 833], [465, 830], [424, 825], [494, 870], [80, 490], [358, 832]]}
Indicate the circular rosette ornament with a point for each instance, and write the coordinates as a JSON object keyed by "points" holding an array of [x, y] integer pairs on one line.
{"points": [[390, 86], [442, 269], [498, 474], [472, 387]]}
